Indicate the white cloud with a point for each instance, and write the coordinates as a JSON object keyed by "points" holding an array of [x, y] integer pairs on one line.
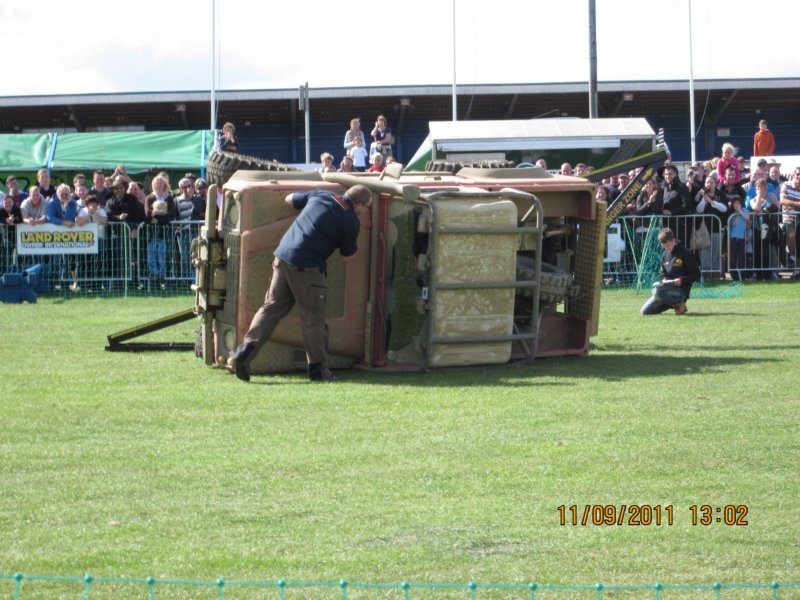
{"points": [[88, 46]]}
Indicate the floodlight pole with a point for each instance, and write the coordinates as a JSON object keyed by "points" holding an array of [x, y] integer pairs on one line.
{"points": [[691, 89], [303, 105], [214, 67], [593, 104], [455, 96]]}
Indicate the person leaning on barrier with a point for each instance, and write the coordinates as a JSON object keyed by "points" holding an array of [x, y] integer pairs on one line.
{"points": [[184, 204], [707, 203], [62, 209], [92, 212], [160, 185], [679, 271], [650, 200], [790, 202], [327, 221], [124, 208], [33, 207], [765, 207], [199, 199], [676, 202], [10, 213]]}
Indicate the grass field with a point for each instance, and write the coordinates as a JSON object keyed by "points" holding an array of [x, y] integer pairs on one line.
{"points": [[152, 464]]}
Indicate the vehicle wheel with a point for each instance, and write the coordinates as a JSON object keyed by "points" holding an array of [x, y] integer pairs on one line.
{"points": [[222, 165], [455, 166], [556, 285]]}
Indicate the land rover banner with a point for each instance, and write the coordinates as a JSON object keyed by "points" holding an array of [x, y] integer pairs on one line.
{"points": [[55, 239]]}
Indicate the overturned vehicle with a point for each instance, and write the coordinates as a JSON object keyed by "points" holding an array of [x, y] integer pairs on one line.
{"points": [[483, 267]]}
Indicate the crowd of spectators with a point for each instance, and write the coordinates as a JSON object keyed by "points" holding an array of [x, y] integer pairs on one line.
{"points": [[167, 219], [358, 156], [749, 216]]}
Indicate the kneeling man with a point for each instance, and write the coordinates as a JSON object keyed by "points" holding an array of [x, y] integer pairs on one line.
{"points": [[679, 269]]}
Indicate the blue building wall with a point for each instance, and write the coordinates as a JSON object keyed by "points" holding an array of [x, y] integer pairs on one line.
{"points": [[275, 141], [742, 126]]}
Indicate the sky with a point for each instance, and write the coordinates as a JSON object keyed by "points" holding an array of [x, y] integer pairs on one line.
{"points": [[91, 46]]}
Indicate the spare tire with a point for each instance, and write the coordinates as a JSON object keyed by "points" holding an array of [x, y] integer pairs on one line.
{"points": [[222, 165], [455, 166], [555, 285]]}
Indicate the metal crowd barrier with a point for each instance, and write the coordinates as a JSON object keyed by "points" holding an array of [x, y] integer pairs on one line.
{"points": [[145, 259], [759, 249], [632, 243], [164, 255]]}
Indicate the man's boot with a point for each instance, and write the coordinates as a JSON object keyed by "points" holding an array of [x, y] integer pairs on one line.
{"points": [[318, 372], [680, 309], [240, 357]]}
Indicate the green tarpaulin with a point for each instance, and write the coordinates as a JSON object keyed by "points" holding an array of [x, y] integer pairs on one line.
{"points": [[137, 150], [24, 151]]}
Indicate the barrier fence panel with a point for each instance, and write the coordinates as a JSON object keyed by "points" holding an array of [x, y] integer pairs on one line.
{"points": [[145, 260], [760, 247], [633, 252], [164, 256]]}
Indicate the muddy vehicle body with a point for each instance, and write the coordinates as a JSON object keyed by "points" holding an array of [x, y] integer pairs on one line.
{"points": [[483, 267]]}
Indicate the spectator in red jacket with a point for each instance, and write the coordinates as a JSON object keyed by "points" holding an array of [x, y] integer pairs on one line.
{"points": [[763, 141]]}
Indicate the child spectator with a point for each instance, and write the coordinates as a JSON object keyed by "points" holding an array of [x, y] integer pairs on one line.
{"points": [[359, 154], [157, 242], [728, 159], [228, 141], [326, 158], [346, 165], [377, 163], [737, 236]]}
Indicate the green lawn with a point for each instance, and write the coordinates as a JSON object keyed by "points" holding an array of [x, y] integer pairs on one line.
{"points": [[152, 464]]}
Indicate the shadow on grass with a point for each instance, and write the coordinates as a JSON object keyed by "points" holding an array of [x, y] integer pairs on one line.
{"points": [[565, 371], [716, 313]]}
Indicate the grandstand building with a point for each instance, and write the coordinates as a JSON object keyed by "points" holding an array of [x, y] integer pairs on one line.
{"points": [[271, 124]]}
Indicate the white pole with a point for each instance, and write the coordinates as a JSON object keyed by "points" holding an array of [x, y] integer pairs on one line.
{"points": [[214, 65], [308, 125], [691, 88], [593, 103], [455, 97]]}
